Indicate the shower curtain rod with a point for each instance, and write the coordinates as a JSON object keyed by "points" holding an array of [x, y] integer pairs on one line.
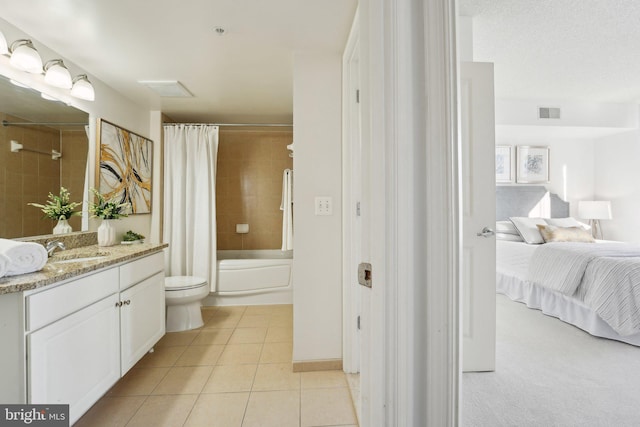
{"points": [[236, 124], [7, 123]]}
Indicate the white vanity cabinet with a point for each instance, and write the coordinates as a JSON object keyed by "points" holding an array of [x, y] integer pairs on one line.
{"points": [[83, 335], [142, 311], [76, 359]]}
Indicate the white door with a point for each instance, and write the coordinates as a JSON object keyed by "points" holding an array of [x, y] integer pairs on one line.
{"points": [[76, 359], [477, 133], [142, 317]]}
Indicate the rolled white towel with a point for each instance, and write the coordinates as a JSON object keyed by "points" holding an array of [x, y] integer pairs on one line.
{"points": [[4, 264], [24, 257]]}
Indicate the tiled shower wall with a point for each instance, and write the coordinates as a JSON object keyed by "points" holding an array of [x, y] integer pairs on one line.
{"points": [[29, 177], [249, 187]]}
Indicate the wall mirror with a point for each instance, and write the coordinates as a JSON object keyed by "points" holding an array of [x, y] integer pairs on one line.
{"points": [[42, 128]]}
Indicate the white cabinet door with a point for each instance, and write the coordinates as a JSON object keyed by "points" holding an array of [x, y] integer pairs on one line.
{"points": [[76, 359], [142, 319]]}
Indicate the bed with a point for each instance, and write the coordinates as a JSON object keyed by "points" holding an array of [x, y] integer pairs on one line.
{"points": [[594, 286]]}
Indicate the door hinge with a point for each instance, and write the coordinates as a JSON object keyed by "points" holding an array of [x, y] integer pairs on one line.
{"points": [[357, 208], [357, 96], [358, 322]]}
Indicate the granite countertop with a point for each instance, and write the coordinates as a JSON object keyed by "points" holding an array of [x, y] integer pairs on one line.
{"points": [[62, 267]]}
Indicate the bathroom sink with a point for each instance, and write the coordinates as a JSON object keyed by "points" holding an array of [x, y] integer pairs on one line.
{"points": [[84, 256]]}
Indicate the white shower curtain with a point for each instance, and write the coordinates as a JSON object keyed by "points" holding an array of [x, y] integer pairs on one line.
{"points": [[189, 224]]}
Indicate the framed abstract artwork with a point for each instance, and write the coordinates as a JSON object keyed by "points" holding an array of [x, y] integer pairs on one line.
{"points": [[532, 165], [503, 164], [124, 166]]}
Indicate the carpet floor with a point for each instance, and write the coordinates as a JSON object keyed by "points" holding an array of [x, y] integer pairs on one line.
{"points": [[549, 373]]}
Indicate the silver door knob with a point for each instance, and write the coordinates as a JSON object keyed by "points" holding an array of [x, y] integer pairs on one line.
{"points": [[486, 232]]}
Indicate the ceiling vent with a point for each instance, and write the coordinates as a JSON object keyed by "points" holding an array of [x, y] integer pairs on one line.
{"points": [[548, 113], [167, 88]]}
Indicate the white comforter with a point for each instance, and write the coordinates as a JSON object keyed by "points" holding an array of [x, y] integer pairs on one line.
{"points": [[606, 276]]}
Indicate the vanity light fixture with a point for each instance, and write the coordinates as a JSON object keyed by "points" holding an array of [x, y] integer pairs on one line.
{"points": [[17, 83], [25, 57], [56, 74], [4, 48], [48, 97], [82, 88]]}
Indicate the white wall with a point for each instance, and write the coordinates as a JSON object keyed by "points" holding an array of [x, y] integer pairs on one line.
{"points": [[617, 178], [317, 263], [109, 105], [571, 165]]}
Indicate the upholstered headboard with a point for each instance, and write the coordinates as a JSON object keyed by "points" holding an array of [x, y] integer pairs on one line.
{"points": [[528, 200]]}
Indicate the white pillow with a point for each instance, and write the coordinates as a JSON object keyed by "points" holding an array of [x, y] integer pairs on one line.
{"points": [[506, 227], [567, 222], [509, 237], [527, 227]]}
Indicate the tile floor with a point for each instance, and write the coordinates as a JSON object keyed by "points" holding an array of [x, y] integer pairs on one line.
{"points": [[234, 371]]}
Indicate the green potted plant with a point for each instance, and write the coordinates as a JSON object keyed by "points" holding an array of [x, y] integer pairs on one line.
{"points": [[59, 208], [107, 210]]}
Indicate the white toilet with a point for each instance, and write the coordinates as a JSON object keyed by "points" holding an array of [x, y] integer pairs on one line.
{"points": [[183, 296]]}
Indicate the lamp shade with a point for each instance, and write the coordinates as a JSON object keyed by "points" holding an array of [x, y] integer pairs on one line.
{"points": [[25, 57], [82, 88], [56, 74], [594, 210]]}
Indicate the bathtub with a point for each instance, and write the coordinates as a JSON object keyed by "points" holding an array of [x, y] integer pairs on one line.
{"points": [[253, 277]]}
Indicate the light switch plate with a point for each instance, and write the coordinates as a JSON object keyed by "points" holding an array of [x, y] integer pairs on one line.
{"points": [[324, 205]]}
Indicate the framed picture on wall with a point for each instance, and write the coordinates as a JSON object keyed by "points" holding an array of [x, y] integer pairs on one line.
{"points": [[503, 164], [532, 165], [124, 166]]}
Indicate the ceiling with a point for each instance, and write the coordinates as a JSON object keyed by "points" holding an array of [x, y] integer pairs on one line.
{"points": [[578, 50], [244, 76]]}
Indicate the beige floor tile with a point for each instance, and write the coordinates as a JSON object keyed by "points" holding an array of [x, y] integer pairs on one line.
{"points": [[276, 376], [161, 357], [248, 335], [213, 336], [323, 379], [326, 406], [187, 380], [230, 378], [237, 310], [177, 338], [282, 321], [273, 409], [111, 412], [163, 411], [218, 410], [259, 309], [254, 321], [138, 382], [208, 313], [222, 321], [200, 355], [279, 334], [353, 380], [240, 354], [275, 352]]}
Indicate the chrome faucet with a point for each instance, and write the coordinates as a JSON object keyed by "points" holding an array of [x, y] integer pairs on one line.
{"points": [[53, 245]]}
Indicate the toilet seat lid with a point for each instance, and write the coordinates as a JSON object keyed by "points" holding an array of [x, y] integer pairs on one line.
{"points": [[174, 283]]}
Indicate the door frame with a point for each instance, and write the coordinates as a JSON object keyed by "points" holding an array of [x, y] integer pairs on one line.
{"points": [[409, 121], [351, 194]]}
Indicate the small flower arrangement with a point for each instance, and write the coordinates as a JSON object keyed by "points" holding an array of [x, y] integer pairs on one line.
{"points": [[59, 207], [107, 209]]}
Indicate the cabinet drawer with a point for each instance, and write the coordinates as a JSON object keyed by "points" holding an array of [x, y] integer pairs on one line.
{"points": [[53, 304], [137, 271]]}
